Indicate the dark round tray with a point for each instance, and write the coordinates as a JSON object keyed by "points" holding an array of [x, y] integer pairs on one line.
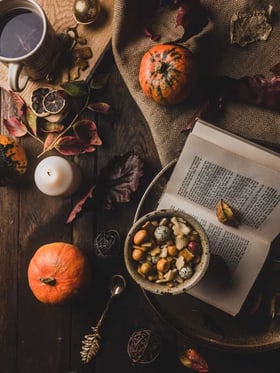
{"points": [[199, 321]]}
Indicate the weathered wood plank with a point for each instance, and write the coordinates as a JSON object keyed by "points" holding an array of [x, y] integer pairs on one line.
{"points": [[43, 331], [9, 226], [8, 277]]}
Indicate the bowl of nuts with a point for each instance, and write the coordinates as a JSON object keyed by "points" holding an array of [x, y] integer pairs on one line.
{"points": [[167, 252]]}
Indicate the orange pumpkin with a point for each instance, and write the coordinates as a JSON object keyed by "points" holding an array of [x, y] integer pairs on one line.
{"points": [[13, 160], [168, 73], [57, 272]]}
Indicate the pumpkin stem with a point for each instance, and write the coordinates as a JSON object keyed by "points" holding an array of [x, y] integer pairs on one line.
{"points": [[48, 280], [161, 67]]}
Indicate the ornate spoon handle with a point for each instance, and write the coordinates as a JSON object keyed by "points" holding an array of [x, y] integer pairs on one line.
{"points": [[90, 343]]}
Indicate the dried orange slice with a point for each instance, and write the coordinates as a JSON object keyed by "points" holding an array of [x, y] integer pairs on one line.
{"points": [[36, 99], [54, 101]]}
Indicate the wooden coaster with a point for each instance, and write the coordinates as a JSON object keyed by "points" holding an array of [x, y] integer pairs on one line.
{"points": [[60, 15]]}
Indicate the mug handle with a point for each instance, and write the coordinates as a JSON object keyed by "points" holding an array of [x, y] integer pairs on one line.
{"points": [[16, 83]]}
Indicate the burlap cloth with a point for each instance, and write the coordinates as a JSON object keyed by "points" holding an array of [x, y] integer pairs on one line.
{"points": [[218, 56]]}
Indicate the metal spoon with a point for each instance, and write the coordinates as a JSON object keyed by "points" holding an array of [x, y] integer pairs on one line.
{"points": [[90, 343]]}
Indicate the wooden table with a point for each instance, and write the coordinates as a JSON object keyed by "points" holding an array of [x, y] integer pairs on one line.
{"points": [[38, 338]]}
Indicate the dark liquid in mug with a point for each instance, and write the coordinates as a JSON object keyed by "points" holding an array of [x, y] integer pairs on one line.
{"points": [[20, 32]]}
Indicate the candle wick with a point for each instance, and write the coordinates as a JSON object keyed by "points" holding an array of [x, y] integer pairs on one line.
{"points": [[49, 173]]}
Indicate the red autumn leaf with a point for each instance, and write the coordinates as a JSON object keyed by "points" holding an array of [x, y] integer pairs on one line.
{"points": [[119, 179], [152, 35], [72, 145], [193, 360], [19, 103], [191, 16], [100, 107], [86, 130], [257, 90], [15, 127], [78, 207], [50, 138]]}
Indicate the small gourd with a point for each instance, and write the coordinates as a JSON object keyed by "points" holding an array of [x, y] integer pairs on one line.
{"points": [[168, 73], [13, 160], [58, 272]]}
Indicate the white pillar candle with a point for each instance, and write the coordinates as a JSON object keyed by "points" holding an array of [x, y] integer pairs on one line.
{"points": [[56, 176]]}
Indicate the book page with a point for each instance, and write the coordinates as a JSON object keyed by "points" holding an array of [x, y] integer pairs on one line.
{"points": [[236, 144], [206, 173]]}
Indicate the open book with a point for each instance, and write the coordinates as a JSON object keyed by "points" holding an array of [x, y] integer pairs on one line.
{"points": [[214, 165]]}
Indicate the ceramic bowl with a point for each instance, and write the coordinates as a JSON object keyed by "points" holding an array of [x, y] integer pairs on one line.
{"points": [[152, 260]]}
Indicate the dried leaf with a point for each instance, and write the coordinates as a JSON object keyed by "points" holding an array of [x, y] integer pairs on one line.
{"points": [[19, 103], [152, 35], [82, 64], [77, 88], [50, 138], [119, 179], [32, 120], [99, 81], [51, 127], [83, 52], [73, 145], [249, 27], [193, 360], [100, 107], [74, 72], [78, 207], [192, 17], [86, 130], [15, 127]]}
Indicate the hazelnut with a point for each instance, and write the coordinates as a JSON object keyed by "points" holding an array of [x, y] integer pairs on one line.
{"points": [[163, 265], [138, 255], [140, 236], [172, 250], [146, 268]]}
